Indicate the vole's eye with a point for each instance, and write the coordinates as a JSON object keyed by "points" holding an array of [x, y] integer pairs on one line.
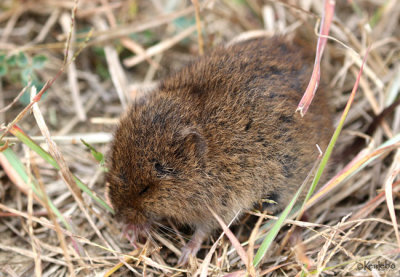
{"points": [[146, 188], [162, 171], [159, 168]]}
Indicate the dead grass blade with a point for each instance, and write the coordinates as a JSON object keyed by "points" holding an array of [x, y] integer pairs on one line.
{"points": [[160, 47], [66, 174], [272, 269], [202, 270], [235, 242], [34, 241], [57, 228], [355, 166], [55, 152], [372, 204], [64, 170], [252, 238], [239, 273], [327, 16], [393, 172], [67, 25], [326, 254], [117, 73], [30, 254], [198, 25], [119, 265]]}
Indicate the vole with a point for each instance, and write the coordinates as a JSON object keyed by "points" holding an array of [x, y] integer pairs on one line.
{"points": [[222, 133]]}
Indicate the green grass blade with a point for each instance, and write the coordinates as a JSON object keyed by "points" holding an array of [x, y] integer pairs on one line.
{"points": [[17, 132], [336, 134], [20, 170], [275, 229], [377, 16]]}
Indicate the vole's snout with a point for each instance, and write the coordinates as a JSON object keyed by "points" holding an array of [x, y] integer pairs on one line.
{"points": [[133, 232], [135, 224]]}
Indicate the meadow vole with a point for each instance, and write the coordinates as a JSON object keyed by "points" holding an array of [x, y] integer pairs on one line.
{"points": [[221, 133]]}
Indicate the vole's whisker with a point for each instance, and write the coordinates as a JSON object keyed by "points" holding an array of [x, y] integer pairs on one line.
{"points": [[173, 231], [168, 228], [162, 232], [150, 237]]}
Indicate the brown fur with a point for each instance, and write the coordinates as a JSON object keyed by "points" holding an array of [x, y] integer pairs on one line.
{"points": [[221, 133]]}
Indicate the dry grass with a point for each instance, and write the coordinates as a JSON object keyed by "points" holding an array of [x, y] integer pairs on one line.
{"points": [[125, 47]]}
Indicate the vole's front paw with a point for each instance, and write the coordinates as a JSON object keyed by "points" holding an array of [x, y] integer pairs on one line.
{"points": [[193, 246], [190, 249]]}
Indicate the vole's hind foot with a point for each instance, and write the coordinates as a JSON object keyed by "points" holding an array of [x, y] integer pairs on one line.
{"points": [[192, 247]]}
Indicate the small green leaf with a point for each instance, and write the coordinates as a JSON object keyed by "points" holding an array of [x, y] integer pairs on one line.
{"points": [[38, 61], [22, 60], [3, 69], [39, 86], [12, 61], [26, 75], [96, 154], [25, 99]]}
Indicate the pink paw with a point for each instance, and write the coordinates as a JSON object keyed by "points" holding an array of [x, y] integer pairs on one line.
{"points": [[190, 249]]}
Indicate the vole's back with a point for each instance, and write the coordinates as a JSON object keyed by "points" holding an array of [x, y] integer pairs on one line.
{"points": [[244, 98]]}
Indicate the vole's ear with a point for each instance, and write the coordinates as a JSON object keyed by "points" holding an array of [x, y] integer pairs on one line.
{"points": [[191, 143]]}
